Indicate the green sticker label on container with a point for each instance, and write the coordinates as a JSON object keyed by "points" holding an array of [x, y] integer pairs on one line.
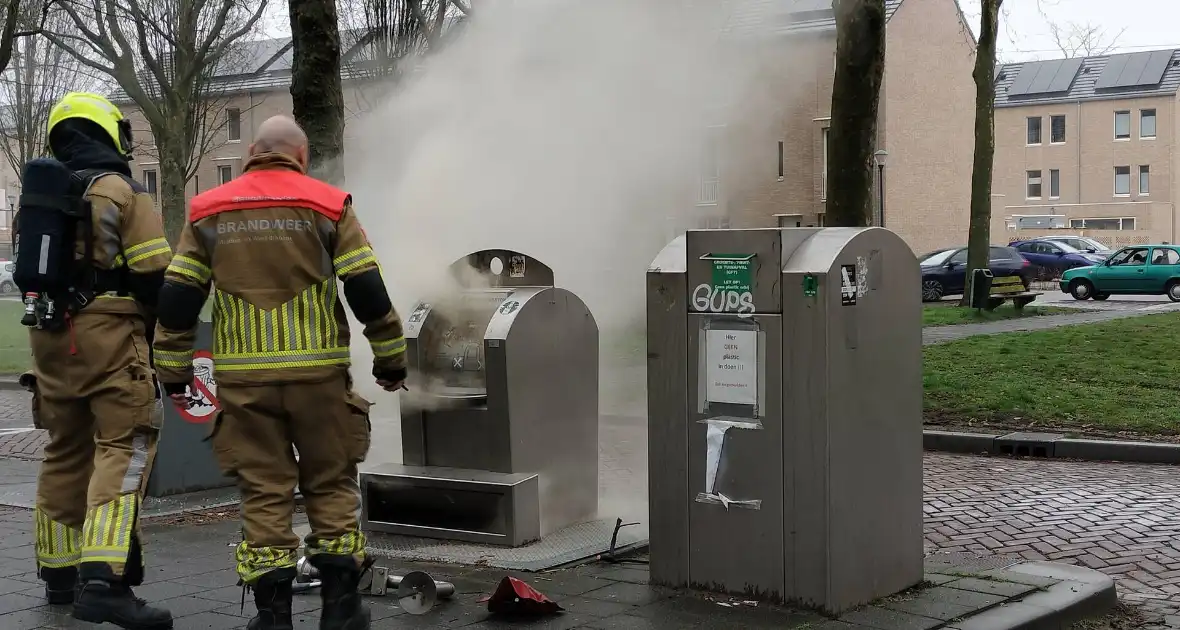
{"points": [[732, 272]]}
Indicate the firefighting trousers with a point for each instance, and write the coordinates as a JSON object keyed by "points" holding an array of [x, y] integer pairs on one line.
{"points": [[255, 437], [97, 399]]}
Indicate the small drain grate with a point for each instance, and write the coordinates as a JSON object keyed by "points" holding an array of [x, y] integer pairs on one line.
{"points": [[1028, 444]]}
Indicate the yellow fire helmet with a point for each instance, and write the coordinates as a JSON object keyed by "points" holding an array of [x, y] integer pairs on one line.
{"points": [[97, 109]]}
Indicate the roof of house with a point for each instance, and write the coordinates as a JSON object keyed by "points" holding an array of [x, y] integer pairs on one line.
{"points": [[777, 17], [1103, 77], [265, 64]]}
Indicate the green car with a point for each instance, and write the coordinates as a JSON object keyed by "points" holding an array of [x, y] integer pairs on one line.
{"points": [[1135, 270]]}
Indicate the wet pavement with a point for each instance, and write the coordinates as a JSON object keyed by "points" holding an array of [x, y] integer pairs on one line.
{"points": [[188, 573]]}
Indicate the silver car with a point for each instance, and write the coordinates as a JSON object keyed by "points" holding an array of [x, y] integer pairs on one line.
{"points": [[6, 283]]}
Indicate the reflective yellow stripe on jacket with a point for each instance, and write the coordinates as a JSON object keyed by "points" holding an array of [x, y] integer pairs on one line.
{"points": [[143, 251], [386, 348], [355, 259], [170, 359], [190, 268], [300, 333]]}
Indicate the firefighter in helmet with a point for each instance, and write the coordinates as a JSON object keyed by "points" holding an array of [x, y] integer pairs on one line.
{"points": [[93, 385], [274, 246]]}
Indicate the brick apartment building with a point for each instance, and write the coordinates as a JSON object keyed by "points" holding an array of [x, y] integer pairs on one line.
{"points": [[927, 115], [1087, 146]]}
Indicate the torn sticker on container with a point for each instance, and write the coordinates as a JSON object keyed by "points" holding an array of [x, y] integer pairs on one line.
{"points": [[516, 266], [714, 461], [862, 276], [848, 285]]}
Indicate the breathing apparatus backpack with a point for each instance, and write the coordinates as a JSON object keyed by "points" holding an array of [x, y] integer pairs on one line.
{"points": [[54, 214]]}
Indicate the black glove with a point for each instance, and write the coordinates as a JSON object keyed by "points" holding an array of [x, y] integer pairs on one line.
{"points": [[391, 375], [173, 389]]}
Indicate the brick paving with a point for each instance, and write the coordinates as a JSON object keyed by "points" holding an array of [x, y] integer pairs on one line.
{"points": [[27, 445], [1121, 519]]}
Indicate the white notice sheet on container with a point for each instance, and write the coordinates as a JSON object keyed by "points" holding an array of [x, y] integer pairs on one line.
{"points": [[731, 372]]}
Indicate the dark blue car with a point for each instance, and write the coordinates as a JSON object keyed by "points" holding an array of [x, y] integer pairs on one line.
{"points": [[944, 272], [1050, 258]]}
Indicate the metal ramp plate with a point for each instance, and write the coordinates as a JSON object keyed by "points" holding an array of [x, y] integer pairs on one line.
{"points": [[576, 542]]}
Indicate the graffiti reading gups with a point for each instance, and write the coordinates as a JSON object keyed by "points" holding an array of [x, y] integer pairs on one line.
{"points": [[730, 291], [711, 299]]}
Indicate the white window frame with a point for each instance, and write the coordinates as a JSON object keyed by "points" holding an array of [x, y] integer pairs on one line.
{"points": [[228, 136], [1028, 131], [823, 177], [1144, 170], [1122, 112], [1064, 129], [1155, 121], [222, 168], [1029, 183], [1055, 183], [1125, 223], [155, 180], [1116, 181], [709, 186], [782, 160]]}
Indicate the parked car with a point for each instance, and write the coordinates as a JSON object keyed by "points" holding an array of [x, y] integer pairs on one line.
{"points": [[1135, 270], [1051, 258], [6, 283], [1081, 243], [944, 272]]}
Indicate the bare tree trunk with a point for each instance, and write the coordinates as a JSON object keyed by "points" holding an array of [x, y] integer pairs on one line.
{"points": [[979, 234], [172, 184], [317, 97], [856, 92]]}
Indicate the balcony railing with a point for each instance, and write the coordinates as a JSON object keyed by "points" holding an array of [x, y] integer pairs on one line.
{"points": [[707, 194]]}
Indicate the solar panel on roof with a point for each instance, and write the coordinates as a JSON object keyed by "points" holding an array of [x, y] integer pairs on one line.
{"points": [[1045, 77], [1110, 74], [1045, 74], [1134, 69], [1153, 72], [1065, 75], [1024, 78], [1130, 74]]}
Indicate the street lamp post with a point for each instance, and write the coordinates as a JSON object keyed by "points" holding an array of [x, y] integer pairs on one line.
{"points": [[879, 158]]}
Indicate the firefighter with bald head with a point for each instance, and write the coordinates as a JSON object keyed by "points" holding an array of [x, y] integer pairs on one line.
{"points": [[90, 263], [274, 247]]}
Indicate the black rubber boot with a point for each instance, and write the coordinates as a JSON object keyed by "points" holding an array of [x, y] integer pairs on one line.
{"points": [[343, 609], [61, 584], [272, 598], [106, 601]]}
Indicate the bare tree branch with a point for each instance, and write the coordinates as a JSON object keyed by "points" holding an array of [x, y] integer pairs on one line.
{"points": [[166, 55], [394, 34], [1083, 40], [1078, 40], [38, 75]]}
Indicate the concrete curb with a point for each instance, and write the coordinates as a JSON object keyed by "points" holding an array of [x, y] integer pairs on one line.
{"points": [[1060, 447], [1081, 593], [10, 383]]}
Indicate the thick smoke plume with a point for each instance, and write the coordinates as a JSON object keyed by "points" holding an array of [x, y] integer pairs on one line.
{"points": [[571, 131]]}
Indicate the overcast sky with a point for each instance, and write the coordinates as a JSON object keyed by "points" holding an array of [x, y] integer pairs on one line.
{"points": [[1024, 26], [1137, 24]]}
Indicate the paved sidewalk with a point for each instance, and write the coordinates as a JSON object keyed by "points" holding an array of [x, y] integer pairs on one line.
{"points": [[941, 334], [188, 573], [1122, 519]]}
